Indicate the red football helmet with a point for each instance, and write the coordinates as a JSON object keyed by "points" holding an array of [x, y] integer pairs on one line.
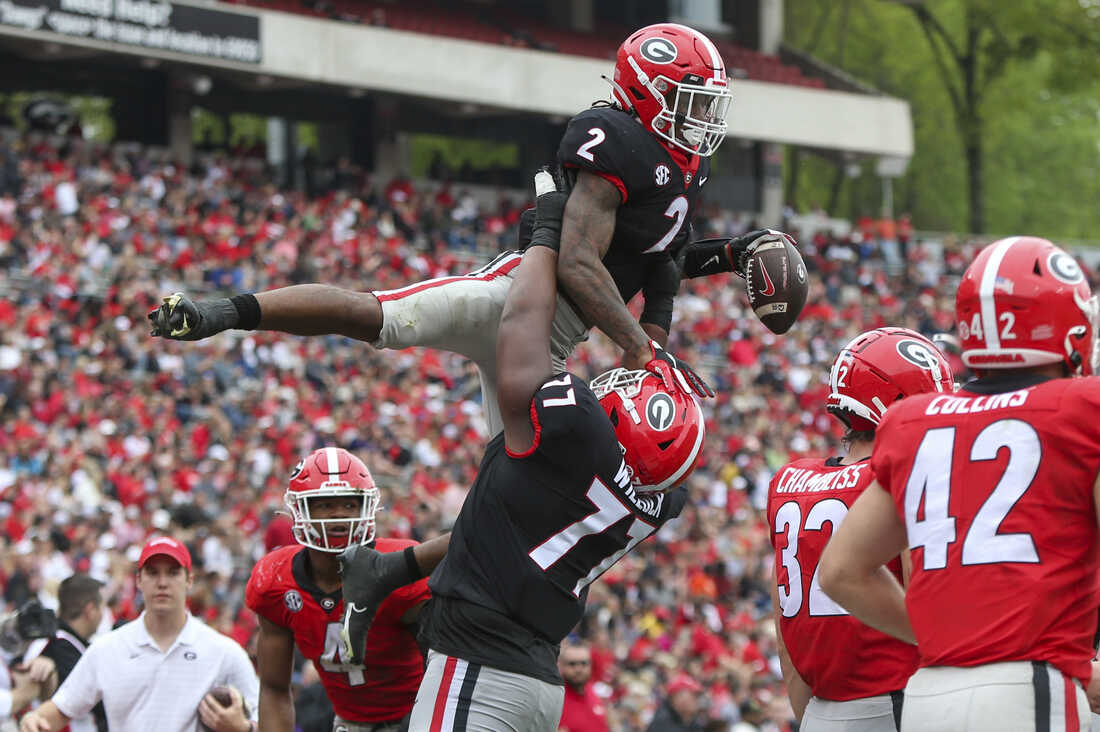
{"points": [[331, 472], [674, 79], [1025, 302], [879, 367], [661, 432]]}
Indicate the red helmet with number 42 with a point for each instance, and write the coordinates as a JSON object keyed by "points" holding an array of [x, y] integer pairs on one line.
{"points": [[879, 367], [661, 432], [674, 79], [1025, 302], [332, 472]]}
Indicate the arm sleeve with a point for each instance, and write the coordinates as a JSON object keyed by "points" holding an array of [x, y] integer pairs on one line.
{"points": [[81, 691], [659, 292]]}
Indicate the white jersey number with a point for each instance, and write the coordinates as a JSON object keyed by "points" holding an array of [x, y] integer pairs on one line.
{"points": [[677, 211], [609, 511], [330, 659], [930, 483], [788, 520]]}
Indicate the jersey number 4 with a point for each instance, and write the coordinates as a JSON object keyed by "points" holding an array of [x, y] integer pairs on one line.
{"points": [[788, 519], [677, 210], [929, 486], [332, 651]]}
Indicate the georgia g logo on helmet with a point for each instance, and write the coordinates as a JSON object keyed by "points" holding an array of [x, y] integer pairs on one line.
{"points": [[658, 50], [918, 354], [1065, 268], [660, 411]]}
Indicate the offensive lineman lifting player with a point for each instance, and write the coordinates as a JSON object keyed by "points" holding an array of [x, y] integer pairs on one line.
{"points": [[579, 476], [636, 167]]}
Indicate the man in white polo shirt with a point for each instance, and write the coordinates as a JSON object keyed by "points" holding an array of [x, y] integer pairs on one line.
{"points": [[155, 672]]}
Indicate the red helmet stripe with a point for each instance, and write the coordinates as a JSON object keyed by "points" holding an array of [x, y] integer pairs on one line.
{"points": [[990, 334]]}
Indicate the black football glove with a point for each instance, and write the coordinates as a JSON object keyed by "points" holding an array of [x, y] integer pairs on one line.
{"points": [[675, 373], [723, 254], [742, 247], [182, 319], [549, 210], [368, 578], [526, 228]]}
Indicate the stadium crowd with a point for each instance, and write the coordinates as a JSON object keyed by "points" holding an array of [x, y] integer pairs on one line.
{"points": [[109, 436]]}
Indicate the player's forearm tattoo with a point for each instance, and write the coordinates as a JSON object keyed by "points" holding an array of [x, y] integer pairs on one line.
{"points": [[586, 233]]}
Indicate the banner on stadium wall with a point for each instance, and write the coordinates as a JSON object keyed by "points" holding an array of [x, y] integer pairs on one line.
{"points": [[154, 24]]}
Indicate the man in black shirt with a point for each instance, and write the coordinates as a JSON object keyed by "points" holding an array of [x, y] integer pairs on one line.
{"points": [[80, 610]]}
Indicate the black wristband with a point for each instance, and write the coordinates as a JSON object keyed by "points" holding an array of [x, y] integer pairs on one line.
{"points": [[708, 257], [415, 572], [544, 236], [248, 310]]}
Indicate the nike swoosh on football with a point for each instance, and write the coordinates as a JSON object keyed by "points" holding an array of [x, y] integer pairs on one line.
{"points": [[769, 288]]}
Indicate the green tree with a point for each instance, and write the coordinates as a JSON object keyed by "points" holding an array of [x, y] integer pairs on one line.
{"points": [[972, 52], [1010, 85]]}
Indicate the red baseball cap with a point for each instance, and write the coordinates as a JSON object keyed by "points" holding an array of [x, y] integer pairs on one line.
{"points": [[167, 546], [683, 682]]}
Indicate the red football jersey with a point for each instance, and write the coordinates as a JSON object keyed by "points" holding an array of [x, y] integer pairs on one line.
{"points": [[838, 656], [385, 687], [996, 492]]}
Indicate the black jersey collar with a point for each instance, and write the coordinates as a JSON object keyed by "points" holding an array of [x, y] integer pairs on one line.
{"points": [[1000, 383]]}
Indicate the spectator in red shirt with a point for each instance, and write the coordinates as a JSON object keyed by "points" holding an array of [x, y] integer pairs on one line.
{"points": [[583, 710]]}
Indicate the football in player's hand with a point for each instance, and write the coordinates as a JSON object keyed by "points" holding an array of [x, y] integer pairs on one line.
{"points": [[776, 282], [223, 696]]}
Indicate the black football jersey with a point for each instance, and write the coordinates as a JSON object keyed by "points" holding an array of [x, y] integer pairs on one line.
{"points": [[659, 193], [537, 528]]}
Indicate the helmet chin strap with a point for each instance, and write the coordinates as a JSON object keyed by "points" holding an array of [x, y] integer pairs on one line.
{"points": [[628, 405]]}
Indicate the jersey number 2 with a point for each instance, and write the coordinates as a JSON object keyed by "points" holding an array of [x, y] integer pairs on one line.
{"points": [[609, 510], [677, 210], [789, 519], [332, 651]]}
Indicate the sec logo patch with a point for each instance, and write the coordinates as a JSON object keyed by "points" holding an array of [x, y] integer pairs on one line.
{"points": [[662, 174], [293, 601]]}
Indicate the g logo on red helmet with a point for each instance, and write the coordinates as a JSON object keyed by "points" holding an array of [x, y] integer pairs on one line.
{"points": [[1065, 268], [658, 50], [917, 354], [660, 411]]}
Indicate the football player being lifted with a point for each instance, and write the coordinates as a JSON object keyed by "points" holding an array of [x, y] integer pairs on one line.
{"points": [[994, 493], [579, 476], [842, 675], [636, 167], [295, 592]]}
